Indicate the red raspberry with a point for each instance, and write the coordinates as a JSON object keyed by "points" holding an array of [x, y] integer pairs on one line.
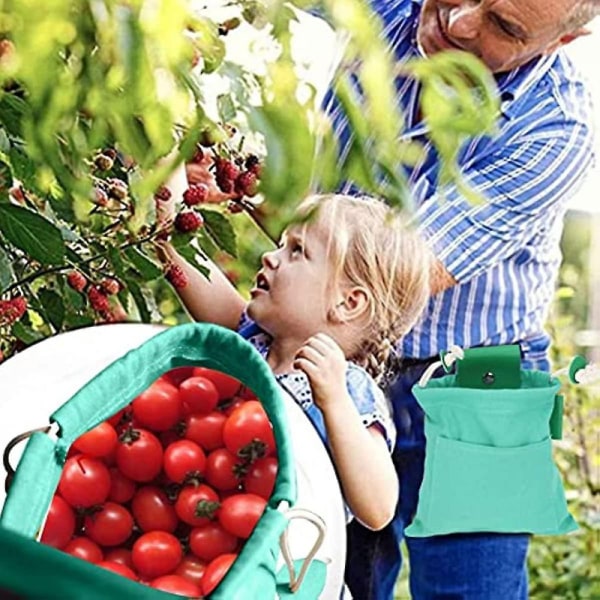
{"points": [[226, 168], [195, 194], [186, 222], [1, 356], [176, 276], [163, 193], [226, 185], [12, 310], [77, 281], [246, 184], [98, 300], [110, 286]]}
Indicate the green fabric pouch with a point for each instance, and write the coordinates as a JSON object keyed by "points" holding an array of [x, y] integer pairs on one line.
{"points": [[488, 461], [58, 575]]}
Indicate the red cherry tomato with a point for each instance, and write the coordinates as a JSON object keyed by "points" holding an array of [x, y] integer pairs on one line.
{"points": [[260, 479], [158, 408], [191, 568], [110, 526], [118, 417], [226, 385], [84, 481], [206, 430], [183, 459], [175, 584], [178, 375], [222, 470], [198, 396], [99, 441], [209, 541], [215, 572], [249, 426], [60, 524], [84, 548], [121, 556], [197, 504], [240, 513], [230, 406], [122, 488], [139, 455], [156, 553], [119, 569], [247, 394], [152, 510]]}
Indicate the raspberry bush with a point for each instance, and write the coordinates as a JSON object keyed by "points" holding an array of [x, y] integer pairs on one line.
{"points": [[91, 127]]}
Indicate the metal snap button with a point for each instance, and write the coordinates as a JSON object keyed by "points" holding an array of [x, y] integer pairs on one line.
{"points": [[489, 378]]}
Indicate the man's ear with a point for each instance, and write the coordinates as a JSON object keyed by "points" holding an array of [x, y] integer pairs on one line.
{"points": [[353, 304], [573, 35]]}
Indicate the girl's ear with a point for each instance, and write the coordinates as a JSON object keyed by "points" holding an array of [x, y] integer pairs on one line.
{"points": [[353, 304]]}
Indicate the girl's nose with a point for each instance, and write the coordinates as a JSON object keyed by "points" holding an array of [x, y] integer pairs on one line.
{"points": [[464, 21], [270, 260]]}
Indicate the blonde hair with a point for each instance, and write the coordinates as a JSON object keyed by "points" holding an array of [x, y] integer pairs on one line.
{"points": [[372, 246]]}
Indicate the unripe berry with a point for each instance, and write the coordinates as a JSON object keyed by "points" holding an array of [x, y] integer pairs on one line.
{"points": [[195, 194], [176, 276], [104, 162], [186, 222], [246, 184], [100, 197], [163, 193], [76, 280], [117, 189]]}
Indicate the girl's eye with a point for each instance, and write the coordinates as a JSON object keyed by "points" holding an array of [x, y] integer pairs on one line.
{"points": [[297, 249]]}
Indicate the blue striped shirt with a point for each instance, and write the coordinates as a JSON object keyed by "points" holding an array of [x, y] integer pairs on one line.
{"points": [[504, 253]]}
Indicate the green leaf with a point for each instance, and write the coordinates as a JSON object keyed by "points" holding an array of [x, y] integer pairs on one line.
{"points": [[23, 168], [226, 108], [26, 334], [32, 233], [5, 181], [147, 268], [7, 275], [220, 230], [140, 301], [12, 110], [116, 260], [75, 321], [53, 307]]}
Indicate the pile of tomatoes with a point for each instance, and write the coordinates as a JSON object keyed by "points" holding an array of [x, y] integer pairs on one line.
{"points": [[166, 491]]}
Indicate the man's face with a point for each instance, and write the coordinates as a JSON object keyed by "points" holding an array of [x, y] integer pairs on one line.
{"points": [[502, 33]]}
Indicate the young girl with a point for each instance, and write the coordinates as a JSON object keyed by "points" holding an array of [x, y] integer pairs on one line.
{"points": [[325, 307]]}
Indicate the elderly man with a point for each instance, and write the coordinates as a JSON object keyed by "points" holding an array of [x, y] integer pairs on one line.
{"points": [[496, 263]]}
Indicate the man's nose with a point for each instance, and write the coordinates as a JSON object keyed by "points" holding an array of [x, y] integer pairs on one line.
{"points": [[464, 21]]}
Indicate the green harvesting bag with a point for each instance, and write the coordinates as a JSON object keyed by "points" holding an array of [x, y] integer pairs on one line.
{"points": [[488, 461], [59, 575]]}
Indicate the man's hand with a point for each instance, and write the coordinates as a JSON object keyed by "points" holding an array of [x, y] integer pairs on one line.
{"points": [[325, 366]]}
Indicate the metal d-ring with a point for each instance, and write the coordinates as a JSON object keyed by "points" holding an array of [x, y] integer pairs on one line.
{"points": [[10, 472], [319, 523]]}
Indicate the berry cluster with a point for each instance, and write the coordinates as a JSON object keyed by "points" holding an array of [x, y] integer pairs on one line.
{"points": [[97, 294]]}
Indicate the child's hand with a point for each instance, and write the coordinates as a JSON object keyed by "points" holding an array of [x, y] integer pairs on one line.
{"points": [[198, 172], [325, 366]]}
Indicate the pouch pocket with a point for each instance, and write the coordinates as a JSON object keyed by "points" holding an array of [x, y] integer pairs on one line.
{"points": [[471, 487]]}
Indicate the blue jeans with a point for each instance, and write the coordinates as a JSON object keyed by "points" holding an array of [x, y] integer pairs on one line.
{"points": [[477, 566]]}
